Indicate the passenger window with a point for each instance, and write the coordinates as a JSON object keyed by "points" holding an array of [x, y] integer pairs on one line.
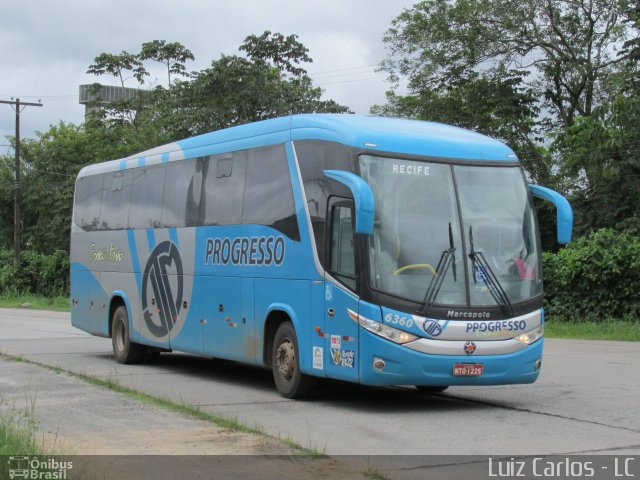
{"points": [[224, 188], [342, 247], [268, 196], [147, 185], [182, 194], [115, 200], [88, 200]]}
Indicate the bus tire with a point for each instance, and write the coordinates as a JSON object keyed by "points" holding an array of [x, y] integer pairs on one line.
{"points": [[124, 349], [430, 389], [285, 362]]}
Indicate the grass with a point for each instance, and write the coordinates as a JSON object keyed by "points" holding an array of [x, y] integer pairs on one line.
{"points": [[609, 330], [18, 432], [374, 473], [59, 304]]}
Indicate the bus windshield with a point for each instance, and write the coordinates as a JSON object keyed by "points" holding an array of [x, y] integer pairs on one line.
{"points": [[475, 236]]}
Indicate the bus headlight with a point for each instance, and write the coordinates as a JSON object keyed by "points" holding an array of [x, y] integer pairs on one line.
{"points": [[382, 330], [531, 336]]}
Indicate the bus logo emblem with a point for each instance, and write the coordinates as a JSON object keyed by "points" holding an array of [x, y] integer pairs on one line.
{"points": [[163, 283], [432, 328]]}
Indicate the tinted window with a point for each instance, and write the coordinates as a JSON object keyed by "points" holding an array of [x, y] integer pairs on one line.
{"points": [[314, 157], [146, 197], [116, 194], [87, 202], [343, 264], [182, 193], [268, 197], [224, 188]]}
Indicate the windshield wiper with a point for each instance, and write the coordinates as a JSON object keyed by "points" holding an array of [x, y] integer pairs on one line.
{"points": [[447, 259], [487, 276]]}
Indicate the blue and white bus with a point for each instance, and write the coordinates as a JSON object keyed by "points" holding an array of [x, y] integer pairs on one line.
{"points": [[372, 250]]}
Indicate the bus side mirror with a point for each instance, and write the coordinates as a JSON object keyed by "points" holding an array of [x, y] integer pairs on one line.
{"points": [[563, 209], [362, 196]]}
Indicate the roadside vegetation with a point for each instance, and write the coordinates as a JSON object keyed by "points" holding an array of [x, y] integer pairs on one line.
{"points": [[17, 432]]}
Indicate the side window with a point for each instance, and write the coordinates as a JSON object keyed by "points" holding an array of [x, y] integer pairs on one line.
{"points": [[147, 185], [182, 191], [88, 198], [224, 188], [342, 245], [268, 196], [115, 200]]}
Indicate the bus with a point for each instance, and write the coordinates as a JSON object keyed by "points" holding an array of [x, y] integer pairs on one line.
{"points": [[372, 250]]}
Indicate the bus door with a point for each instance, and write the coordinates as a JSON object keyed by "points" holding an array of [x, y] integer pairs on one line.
{"points": [[341, 353], [227, 304]]}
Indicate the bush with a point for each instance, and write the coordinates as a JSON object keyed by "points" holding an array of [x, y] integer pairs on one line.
{"points": [[38, 274], [595, 278]]}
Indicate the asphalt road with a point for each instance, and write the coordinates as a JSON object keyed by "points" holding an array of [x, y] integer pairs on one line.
{"points": [[585, 401]]}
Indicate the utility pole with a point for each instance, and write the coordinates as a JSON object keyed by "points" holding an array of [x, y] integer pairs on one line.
{"points": [[17, 217]]}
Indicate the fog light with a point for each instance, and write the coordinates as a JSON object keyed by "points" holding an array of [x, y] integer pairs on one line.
{"points": [[378, 364], [538, 364]]}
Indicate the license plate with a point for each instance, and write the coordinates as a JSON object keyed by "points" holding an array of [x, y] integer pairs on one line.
{"points": [[468, 369]]}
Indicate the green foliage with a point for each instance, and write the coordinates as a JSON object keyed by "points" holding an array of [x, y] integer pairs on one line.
{"points": [[46, 275], [119, 66], [602, 165], [171, 55], [268, 83], [572, 47], [595, 278]]}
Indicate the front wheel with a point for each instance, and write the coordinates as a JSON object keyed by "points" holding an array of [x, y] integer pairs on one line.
{"points": [[285, 362], [124, 349]]}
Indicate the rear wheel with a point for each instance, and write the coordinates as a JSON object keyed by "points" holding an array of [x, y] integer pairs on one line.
{"points": [[428, 389], [285, 362], [124, 349]]}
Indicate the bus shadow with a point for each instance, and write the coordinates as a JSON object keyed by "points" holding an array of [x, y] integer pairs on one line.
{"points": [[327, 392]]}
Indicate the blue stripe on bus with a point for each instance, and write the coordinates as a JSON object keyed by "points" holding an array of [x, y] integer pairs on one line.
{"points": [[134, 258], [173, 235], [151, 238]]}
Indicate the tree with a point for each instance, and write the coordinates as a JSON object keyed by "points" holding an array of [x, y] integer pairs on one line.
{"points": [[172, 55], [602, 166], [234, 90], [119, 66], [284, 53], [51, 164], [570, 45]]}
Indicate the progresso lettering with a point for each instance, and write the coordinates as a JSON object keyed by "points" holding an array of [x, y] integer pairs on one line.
{"points": [[500, 326], [259, 251]]}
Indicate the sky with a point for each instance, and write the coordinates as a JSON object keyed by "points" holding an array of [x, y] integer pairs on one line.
{"points": [[47, 46]]}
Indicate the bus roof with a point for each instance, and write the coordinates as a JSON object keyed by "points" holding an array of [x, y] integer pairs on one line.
{"points": [[393, 135]]}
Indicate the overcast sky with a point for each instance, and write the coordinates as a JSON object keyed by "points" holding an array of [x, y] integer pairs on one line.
{"points": [[46, 46]]}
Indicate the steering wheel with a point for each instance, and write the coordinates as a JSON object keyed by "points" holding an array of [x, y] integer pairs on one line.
{"points": [[413, 266]]}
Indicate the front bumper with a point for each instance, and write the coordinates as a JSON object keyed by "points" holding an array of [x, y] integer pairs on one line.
{"points": [[404, 366]]}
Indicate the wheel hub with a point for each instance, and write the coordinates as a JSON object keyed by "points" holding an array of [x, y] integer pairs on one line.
{"points": [[285, 359]]}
